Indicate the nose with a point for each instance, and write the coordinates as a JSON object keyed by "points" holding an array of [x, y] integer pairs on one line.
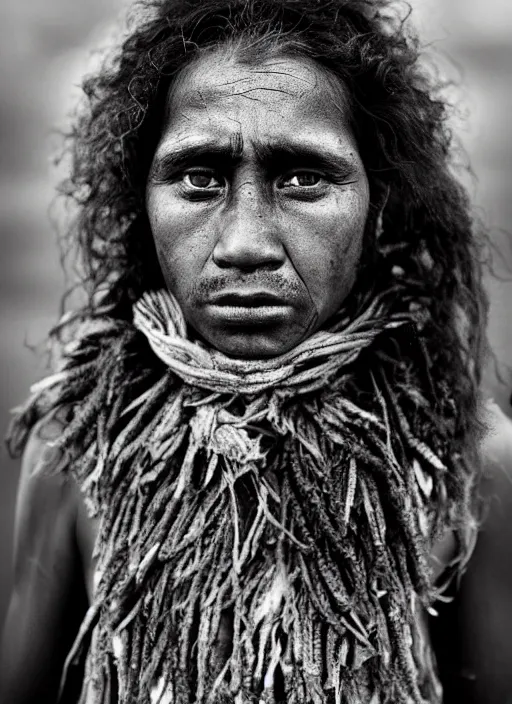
{"points": [[248, 233]]}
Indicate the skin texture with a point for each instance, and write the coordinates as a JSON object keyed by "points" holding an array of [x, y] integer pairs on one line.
{"points": [[49, 597], [243, 204]]}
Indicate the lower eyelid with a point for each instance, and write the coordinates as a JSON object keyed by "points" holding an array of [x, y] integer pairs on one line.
{"points": [[186, 178], [190, 193], [321, 178], [319, 184]]}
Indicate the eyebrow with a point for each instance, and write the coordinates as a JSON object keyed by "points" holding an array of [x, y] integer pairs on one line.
{"points": [[291, 152], [179, 156], [270, 156]]}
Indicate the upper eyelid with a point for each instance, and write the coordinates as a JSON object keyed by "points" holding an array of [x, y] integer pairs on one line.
{"points": [[321, 177], [293, 172], [290, 162], [209, 172], [199, 170], [283, 177], [168, 169], [323, 180], [288, 173], [172, 171]]}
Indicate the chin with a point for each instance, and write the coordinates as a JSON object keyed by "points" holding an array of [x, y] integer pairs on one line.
{"points": [[250, 344]]}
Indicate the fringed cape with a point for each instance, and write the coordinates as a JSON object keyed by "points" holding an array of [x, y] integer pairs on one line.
{"points": [[277, 497]]}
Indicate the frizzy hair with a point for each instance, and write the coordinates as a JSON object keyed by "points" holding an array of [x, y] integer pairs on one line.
{"points": [[415, 393], [400, 124]]}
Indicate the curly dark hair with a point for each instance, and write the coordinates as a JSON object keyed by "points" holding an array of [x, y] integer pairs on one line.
{"points": [[398, 116], [423, 245], [399, 122], [429, 244]]}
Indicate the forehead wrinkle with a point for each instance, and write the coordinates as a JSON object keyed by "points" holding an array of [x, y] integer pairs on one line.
{"points": [[198, 99], [196, 91], [210, 91], [288, 74]]}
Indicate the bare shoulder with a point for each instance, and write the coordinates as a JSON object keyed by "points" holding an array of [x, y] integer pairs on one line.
{"points": [[495, 487], [48, 599], [47, 502], [484, 601], [493, 557], [497, 449], [492, 562], [41, 456]]}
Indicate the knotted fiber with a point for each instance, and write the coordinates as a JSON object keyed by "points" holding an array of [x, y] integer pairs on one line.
{"points": [[272, 495]]}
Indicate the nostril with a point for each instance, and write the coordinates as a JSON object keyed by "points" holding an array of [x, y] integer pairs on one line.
{"points": [[246, 251], [247, 268]]}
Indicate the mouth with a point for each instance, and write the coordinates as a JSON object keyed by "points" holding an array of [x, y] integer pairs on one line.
{"points": [[246, 299], [248, 308]]}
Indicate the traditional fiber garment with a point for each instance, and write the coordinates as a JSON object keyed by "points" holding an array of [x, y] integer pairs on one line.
{"points": [[298, 494]]}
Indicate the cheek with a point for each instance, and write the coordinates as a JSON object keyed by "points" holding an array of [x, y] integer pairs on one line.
{"points": [[328, 248], [181, 245]]}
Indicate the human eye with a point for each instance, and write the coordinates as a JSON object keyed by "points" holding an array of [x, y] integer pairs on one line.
{"points": [[301, 179], [304, 184], [202, 180]]}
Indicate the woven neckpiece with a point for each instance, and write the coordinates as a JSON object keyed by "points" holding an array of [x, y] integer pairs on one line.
{"points": [[306, 367]]}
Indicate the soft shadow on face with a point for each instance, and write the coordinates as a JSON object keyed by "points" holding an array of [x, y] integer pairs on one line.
{"points": [[257, 200]]}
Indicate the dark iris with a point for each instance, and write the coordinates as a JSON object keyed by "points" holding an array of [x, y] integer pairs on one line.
{"points": [[307, 178], [202, 180]]}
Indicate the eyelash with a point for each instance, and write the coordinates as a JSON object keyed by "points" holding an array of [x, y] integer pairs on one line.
{"points": [[201, 172], [196, 190], [307, 172]]}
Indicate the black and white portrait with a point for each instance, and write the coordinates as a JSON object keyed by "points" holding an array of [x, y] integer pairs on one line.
{"points": [[256, 349]]}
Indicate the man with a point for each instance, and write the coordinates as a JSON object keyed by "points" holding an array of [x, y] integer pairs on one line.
{"points": [[261, 451]]}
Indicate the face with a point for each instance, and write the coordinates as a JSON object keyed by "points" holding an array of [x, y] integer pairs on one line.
{"points": [[257, 200]]}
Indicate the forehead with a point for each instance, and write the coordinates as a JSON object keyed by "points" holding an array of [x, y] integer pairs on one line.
{"points": [[219, 97]]}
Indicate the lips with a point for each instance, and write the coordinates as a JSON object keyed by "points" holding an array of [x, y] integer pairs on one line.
{"points": [[248, 308], [246, 299]]}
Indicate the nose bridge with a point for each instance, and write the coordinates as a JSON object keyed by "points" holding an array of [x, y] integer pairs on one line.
{"points": [[248, 231]]}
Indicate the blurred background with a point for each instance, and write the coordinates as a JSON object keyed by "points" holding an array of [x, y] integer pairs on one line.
{"points": [[45, 48]]}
